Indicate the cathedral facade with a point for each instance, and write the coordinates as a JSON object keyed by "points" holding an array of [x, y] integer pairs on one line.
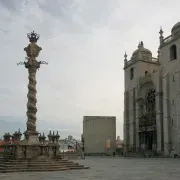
{"points": [[152, 97]]}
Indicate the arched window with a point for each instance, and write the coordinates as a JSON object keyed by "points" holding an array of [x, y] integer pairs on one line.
{"points": [[131, 73], [146, 73], [173, 52]]}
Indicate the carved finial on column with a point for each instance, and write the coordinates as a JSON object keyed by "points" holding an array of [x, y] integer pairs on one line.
{"points": [[57, 136], [161, 36], [125, 59], [43, 138], [50, 136]]}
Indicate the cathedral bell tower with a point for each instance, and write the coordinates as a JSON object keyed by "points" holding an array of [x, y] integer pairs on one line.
{"points": [[137, 73]]}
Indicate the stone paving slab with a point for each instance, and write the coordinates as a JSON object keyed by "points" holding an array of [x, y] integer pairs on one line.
{"points": [[108, 168]]}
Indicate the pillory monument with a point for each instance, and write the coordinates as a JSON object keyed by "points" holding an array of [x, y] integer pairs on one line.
{"points": [[32, 52], [33, 153]]}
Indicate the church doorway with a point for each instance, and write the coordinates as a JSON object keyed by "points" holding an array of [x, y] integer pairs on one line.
{"points": [[149, 138], [147, 122]]}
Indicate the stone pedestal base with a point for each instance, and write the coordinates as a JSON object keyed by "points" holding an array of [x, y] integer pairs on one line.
{"points": [[32, 151], [31, 148], [19, 152], [33, 140]]}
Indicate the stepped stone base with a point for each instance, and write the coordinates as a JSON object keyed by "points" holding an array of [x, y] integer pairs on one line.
{"points": [[72, 155], [33, 154], [41, 163]]}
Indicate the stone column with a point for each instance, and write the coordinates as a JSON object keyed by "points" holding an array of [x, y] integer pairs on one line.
{"points": [[131, 120], [134, 118], [31, 104], [159, 121], [159, 118], [166, 114], [137, 124], [177, 105], [126, 121], [31, 132]]}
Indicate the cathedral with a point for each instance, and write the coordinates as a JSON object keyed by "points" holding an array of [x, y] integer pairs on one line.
{"points": [[152, 97]]}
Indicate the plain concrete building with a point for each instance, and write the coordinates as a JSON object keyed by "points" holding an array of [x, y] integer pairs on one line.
{"points": [[152, 97], [99, 134]]}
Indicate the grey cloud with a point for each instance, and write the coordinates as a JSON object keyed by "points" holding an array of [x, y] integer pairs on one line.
{"points": [[63, 10], [5, 91], [3, 30], [84, 42], [14, 6], [10, 5], [97, 13], [83, 15], [58, 8]]}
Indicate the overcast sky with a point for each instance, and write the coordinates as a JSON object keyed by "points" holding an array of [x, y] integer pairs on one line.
{"points": [[84, 43]]}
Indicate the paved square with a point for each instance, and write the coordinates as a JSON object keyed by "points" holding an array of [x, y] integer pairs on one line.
{"points": [[108, 168]]}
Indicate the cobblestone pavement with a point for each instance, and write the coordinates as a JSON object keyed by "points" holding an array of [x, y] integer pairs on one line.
{"points": [[108, 168]]}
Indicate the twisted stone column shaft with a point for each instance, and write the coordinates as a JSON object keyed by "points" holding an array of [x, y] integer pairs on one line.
{"points": [[31, 105]]}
